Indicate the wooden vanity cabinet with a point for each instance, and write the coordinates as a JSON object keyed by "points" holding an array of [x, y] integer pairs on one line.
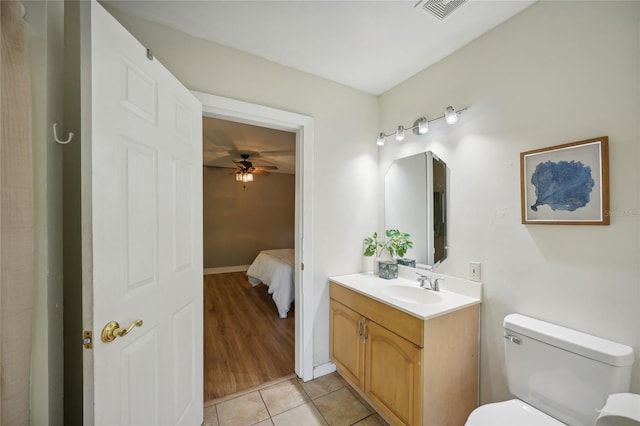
{"points": [[393, 374], [412, 371], [347, 342]]}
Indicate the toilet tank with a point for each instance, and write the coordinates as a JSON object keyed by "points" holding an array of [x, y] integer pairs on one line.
{"points": [[563, 372]]}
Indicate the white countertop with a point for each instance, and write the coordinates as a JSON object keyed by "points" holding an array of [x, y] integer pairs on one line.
{"points": [[455, 293]]}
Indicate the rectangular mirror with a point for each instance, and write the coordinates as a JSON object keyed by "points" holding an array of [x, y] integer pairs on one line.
{"points": [[415, 194]]}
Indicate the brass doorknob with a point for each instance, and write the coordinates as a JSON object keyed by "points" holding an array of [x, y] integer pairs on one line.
{"points": [[113, 330]]}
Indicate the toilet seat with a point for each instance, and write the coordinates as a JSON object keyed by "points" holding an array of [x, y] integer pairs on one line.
{"points": [[510, 413]]}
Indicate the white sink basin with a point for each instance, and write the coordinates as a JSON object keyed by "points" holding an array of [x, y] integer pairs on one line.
{"points": [[412, 294]]}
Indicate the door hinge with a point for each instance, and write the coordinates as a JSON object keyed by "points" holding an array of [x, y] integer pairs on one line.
{"points": [[149, 55], [302, 266], [87, 339]]}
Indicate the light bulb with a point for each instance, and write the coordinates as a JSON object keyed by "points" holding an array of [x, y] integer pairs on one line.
{"points": [[380, 141], [423, 126], [450, 115], [400, 134]]}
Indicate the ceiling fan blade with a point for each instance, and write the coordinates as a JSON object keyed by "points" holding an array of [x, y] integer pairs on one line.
{"points": [[208, 166], [266, 168]]}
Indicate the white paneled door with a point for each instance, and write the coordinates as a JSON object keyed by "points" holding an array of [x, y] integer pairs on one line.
{"points": [[142, 232]]}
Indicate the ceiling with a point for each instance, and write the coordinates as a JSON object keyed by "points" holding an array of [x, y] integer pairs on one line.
{"points": [[224, 141], [368, 45]]}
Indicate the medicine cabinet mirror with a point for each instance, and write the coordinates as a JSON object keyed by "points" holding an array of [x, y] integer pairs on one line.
{"points": [[415, 194]]}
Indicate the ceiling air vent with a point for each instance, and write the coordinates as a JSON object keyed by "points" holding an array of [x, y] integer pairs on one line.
{"points": [[439, 8]]}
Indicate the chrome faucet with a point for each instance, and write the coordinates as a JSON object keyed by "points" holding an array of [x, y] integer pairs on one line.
{"points": [[433, 285], [436, 285], [422, 278]]}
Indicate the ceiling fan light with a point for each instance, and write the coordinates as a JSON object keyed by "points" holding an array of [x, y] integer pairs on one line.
{"points": [[249, 177], [238, 177]]}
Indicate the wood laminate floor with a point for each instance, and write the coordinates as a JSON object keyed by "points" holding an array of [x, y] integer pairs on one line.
{"points": [[246, 344]]}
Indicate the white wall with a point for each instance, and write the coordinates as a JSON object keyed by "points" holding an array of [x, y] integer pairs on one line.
{"points": [[345, 160], [558, 72]]}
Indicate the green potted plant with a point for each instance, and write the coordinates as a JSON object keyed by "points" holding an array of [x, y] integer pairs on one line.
{"points": [[396, 244]]}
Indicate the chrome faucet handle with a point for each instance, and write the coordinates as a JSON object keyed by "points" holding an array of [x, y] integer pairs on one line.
{"points": [[422, 278], [436, 286]]}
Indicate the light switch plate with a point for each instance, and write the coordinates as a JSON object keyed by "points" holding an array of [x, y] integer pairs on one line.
{"points": [[474, 271]]}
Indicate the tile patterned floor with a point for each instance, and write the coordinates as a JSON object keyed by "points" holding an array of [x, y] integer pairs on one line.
{"points": [[327, 400]]}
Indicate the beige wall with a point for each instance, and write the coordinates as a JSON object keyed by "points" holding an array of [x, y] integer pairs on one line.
{"points": [[558, 72], [242, 219]]}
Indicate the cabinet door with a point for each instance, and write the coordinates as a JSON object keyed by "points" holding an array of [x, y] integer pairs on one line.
{"points": [[345, 345], [393, 375]]}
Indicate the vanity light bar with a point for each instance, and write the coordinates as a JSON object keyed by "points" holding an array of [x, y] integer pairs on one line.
{"points": [[421, 125]]}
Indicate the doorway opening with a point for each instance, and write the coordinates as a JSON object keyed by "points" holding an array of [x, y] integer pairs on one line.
{"points": [[248, 247], [302, 127]]}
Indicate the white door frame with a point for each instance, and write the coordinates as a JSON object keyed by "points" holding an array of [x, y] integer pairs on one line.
{"points": [[302, 126]]}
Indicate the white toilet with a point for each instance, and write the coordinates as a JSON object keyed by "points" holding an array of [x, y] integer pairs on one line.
{"points": [[561, 376]]}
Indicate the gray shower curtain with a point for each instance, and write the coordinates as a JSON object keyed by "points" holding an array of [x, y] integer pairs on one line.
{"points": [[16, 218]]}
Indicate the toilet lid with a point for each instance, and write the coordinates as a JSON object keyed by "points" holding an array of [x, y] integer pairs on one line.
{"points": [[510, 413]]}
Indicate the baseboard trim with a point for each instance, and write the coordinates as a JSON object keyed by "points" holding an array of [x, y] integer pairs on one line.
{"points": [[225, 269], [323, 369]]}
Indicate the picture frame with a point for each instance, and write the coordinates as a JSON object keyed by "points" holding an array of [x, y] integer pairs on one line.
{"points": [[566, 184]]}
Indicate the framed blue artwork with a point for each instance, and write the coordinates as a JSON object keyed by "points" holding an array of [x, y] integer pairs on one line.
{"points": [[566, 184]]}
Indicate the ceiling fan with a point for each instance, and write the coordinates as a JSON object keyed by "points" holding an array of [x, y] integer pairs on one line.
{"points": [[246, 166], [244, 169]]}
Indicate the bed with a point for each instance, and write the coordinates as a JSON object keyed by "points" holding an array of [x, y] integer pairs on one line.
{"points": [[275, 269]]}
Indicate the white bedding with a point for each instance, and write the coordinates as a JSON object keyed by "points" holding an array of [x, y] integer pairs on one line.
{"points": [[275, 269]]}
